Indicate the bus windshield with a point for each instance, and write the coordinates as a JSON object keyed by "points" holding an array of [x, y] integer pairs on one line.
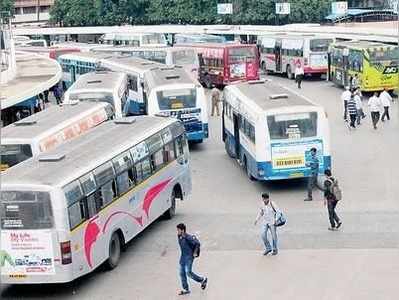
{"points": [[184, 57], [241, 54], [94, 97], [14, 154], [25, 210], [320, 45], [177, 99], [384, 54], [292, 126]]}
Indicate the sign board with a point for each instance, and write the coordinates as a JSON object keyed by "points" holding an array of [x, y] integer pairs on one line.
{"points": [[225, 8], [339, 7], [283, 8]]}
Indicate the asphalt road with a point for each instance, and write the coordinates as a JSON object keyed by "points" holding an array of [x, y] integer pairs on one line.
{"points": [[361, 261]]}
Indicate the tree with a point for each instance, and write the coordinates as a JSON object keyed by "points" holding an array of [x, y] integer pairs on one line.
{"points": [[7, 6]]}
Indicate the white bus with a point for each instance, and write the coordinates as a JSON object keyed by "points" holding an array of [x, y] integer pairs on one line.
{"points": [[170, 91], [135, 69], [103, 86], [49, 128], [134, 39], [72, 209], [78, 63], [271, 129], [281, 53], [182, 56]]}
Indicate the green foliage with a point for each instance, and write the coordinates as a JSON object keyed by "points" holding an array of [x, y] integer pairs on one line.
{"points": [[118, 12], [6, 6]]}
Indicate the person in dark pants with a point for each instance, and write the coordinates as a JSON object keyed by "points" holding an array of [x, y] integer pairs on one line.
{"points": [[57, 94], [345, 97], [352, 111], [46, 92], [299, 74], [386, 100], [375, 107], [331, 201], [189, 246], [313, 164]]}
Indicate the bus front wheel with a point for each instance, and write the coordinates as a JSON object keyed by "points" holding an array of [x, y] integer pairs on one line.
{"points": [[114, 252]]}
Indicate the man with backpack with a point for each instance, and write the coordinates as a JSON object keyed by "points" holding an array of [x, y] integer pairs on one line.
{"points": [[190, 249], [332, 194], [271, 216]]}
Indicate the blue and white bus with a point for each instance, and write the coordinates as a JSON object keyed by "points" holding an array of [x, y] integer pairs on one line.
{"points": [[170, 91], [135, 69], [270, 130], [76, 64]]}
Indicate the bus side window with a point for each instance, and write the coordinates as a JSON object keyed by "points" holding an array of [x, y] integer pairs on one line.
{"points": [[108, 192], [157, 160], [123, 183], [146, 168], [92, 207], [179, 146], [139, 173], [169, 152]]}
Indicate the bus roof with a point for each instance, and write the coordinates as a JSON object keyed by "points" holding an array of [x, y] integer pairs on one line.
{"points": [[220, 45], [87, 56], [268, 95], [142, 48], [75, 158], [131, 63], [361, 45], [167, 75], [48, 121], [102, 80]]}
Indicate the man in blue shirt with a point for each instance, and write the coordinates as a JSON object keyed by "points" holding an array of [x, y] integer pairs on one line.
{"points": [[189, 246], [313, 164]]}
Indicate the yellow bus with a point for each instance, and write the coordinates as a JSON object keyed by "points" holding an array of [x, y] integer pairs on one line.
{"points": [[376, 65]]}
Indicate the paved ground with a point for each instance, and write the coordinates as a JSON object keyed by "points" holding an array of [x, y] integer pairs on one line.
{"points": [[359, 262]]}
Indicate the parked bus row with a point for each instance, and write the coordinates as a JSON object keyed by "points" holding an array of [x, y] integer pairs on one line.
{"points": [[134, 86], [81, 202]]}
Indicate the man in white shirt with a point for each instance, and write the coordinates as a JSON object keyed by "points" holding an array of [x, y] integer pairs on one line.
{"points": [[386, 103], [299, 73], [267, 213], [345, 97], [375, 108]]}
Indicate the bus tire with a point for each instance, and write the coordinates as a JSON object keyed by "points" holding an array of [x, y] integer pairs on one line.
{"points": [[226, 146], [290, 75], [170, 213], [263, 67], [247, 170], [114, 250]]}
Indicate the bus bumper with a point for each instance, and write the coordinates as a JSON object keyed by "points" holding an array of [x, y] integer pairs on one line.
{"points": [[60, 277], [266, 172], [198, 135]]}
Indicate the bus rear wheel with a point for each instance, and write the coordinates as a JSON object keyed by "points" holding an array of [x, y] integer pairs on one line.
{"points": [[247, 170], [114, 249], [169, 214]]}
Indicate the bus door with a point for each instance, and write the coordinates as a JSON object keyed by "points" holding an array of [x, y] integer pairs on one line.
{"points": [[277, 55], [236, 120]]}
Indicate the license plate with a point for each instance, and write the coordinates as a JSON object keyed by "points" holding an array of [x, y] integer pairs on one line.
{"points": [[17, 276], [288, 162]]}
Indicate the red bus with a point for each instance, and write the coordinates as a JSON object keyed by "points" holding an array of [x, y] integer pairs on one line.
{"points": [[50, 52], [221, 64]]}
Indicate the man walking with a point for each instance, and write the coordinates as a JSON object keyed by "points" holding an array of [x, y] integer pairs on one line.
{"points": [[57, 94], [352, 111], [386, 103], [345, 97], [268, 212], [215, 99], [375, 106], [189, 246], [331, 201], [313, 164], [299, 73]]}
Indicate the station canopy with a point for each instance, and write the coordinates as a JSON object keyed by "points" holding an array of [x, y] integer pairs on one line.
{"points": [[363, 15]]}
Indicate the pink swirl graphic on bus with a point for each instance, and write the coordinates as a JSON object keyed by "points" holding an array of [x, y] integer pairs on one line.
{"points": [[93, 230]]}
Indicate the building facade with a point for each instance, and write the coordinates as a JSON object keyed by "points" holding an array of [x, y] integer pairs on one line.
{"points": [[27, 11]]}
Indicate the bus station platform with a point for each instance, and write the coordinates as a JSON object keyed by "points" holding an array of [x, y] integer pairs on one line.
{"points": [[34, 74]]}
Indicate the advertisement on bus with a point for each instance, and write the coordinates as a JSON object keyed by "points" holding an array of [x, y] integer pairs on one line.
{"points": [[31, 250]]}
